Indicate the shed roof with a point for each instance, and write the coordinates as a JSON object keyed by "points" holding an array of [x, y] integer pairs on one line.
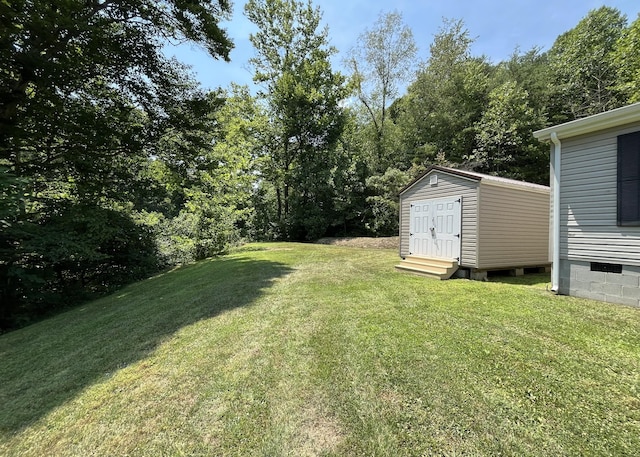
{"points": [[601, 121], [475, 176]]}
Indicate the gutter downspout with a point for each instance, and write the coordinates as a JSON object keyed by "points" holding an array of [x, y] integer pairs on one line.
{"points": [[555, 267]]}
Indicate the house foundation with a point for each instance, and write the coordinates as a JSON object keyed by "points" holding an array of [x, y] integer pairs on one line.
{"points": [[582, 279]]}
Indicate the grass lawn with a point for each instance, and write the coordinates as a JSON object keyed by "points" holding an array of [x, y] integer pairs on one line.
{"points": [[303, 350]]}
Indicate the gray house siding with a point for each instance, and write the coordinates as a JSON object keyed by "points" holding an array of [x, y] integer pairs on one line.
{"points": [[588, 221], [588, 202], [448, 185]]}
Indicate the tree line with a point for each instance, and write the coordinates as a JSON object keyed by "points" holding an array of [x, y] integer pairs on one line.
{"points": [[115, 163]]}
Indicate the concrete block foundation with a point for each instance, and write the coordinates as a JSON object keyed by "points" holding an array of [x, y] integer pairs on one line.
{"points": [[578, 279]]}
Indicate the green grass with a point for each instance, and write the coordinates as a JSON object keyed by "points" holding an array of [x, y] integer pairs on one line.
{"points": [[302, 350]]}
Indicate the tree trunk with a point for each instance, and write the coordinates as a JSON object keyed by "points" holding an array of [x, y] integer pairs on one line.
{"points": [[279, 198], [286, 207]]}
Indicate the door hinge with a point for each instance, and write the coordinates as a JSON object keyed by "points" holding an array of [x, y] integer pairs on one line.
{"points": [[410, 234], [459, 200]]}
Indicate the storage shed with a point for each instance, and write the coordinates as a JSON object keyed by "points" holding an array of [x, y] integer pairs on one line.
{"points": [[467, 223], [595, 168]]}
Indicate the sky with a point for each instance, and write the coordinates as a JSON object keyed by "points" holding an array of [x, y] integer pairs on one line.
{"points": [[498, 26]]}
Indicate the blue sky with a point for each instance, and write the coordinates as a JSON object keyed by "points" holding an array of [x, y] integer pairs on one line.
{"points": [[499, 26]]}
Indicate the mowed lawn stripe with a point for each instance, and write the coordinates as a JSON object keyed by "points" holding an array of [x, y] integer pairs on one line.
{"points": [[299, 349]]}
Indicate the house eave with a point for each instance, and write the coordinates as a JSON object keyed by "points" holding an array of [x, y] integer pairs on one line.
{"points": [[602, 121]]}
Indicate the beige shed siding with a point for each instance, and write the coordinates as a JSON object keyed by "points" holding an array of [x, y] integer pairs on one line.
{"points": [[448, 186], [513, 227], [588, 202]]}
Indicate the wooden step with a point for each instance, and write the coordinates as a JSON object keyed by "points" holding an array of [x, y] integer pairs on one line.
{"points": [[431, 267], [418, 272], [446, 263]]}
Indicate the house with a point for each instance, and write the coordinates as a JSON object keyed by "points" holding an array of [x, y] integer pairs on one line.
{"points": [[468, 223], [595, 234]]}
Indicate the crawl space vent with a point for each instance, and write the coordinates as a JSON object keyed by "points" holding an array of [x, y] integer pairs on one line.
{"points": [[606, 267]]}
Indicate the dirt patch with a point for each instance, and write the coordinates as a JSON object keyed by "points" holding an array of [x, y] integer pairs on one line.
{"points": [[321, 436], [390, 242]]}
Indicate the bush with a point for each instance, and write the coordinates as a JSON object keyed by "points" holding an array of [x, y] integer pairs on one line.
{"points": [[70, 253], [192, 236]]}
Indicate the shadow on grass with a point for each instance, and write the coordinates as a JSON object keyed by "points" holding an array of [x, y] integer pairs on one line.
{"points": [[528, 279], [49, 363], [248, 248]]}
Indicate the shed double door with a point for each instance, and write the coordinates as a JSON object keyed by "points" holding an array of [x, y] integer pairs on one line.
{"points": [[435, 228]]}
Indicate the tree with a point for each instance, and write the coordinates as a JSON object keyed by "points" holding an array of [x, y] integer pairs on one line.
{"points": [[626, 58], [50, 50], [506, 146], [582, 61], [223, 185], [303, 95], [383, 59], [85, 96], [447, 99], [205, 165], [530, 71], [84, 84], [384, 204]]}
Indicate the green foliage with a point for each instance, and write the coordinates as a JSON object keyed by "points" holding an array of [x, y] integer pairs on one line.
{"points": [[264, 223], [351, 170], [506, 146], [384, 203], [383, 58], [72, 253], [583, 63], [11, 193], [448, 97], [195, 235], [86, 99], [207, 169], [626, 58], [54, 51], [530, 70], [305, 119]]}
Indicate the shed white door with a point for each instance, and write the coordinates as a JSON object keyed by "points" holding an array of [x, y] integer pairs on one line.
{"points": [[435, 228]]}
